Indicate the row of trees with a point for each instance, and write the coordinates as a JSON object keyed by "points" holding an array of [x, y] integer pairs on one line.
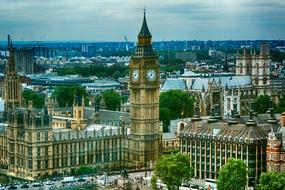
{"points": [[99, 70], [65, 97], [175, 169], [262, 104]]}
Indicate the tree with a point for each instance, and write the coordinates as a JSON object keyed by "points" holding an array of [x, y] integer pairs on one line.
{"points": [[83, 170], [173, 170], [175, 104], [271, 181], [116, 74], [37, 98], [112, 99], [281, 105], [262, 104], [165, 116], [65, 94], [153, 182], [233, 176]]}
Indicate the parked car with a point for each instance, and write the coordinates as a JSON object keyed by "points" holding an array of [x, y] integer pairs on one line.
{"points": [[25, 186], [36, 184], [13, 187], [81, 180]]}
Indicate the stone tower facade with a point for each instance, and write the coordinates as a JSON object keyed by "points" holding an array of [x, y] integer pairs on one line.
{"points": [[78, 113], [12, 85], [145, 138], [257, 66]]}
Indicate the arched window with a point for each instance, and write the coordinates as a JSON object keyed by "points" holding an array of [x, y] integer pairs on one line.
{"points": [[257, 69], [181, 127], [38, 137]]}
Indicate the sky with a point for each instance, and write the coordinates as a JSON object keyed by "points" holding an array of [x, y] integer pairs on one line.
{"points": [[111, 20]]}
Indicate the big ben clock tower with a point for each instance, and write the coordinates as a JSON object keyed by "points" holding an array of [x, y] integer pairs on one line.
{"points": [[145, 137]]}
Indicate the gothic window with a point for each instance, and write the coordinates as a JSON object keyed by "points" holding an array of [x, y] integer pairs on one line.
{"points": [[182, 126], [46, 151], [46, 136], [228, 104], [30, 151], [38, 151], [38, 137], [30, 166], [38, 164], [256, 81], [257, 69]]}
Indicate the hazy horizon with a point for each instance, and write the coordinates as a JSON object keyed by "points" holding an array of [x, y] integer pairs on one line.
{"points": [[111, 20]]}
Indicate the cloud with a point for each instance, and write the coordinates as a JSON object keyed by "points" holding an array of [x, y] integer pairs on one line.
{"points": [[109, 20]]}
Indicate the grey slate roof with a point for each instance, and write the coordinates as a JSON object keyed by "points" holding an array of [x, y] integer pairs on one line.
{"points": [[223, 131], [233, 81], [174, 84], [112, 117]]}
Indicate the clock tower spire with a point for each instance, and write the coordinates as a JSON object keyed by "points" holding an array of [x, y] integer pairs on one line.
{"points": [[145, 137]]}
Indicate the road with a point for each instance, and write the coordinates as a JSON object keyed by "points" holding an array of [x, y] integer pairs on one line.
{"points": [[139, 180]]}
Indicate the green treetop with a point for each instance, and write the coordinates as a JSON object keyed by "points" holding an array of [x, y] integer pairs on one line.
{"points": [[175, 104], [173, 170], [271, 181], [112, 99], [233, 175]]}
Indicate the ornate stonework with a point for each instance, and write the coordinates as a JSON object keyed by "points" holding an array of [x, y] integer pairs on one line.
{"points": [[145, 139]]}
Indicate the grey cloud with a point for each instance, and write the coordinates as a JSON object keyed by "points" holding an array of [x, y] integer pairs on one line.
{"points": [[107, 20]]}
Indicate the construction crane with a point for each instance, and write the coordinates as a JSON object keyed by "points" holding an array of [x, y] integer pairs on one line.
{"points": [[126, 40]]}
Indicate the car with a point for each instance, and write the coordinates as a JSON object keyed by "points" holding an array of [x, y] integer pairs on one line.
{"points": [[81, 180], [36, 184], [49, 183], [13, 187], [25, 186]]}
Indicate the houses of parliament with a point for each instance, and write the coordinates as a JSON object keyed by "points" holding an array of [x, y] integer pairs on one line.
{"points": [[41, 142]]}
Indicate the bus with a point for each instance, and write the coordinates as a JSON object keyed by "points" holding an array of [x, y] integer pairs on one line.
{"points": [[211, 184]]}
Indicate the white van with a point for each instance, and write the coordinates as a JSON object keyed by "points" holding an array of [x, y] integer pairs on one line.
{"points": [[69, 180]]}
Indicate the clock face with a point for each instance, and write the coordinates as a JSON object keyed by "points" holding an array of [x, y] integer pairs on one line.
{"points": [[135, 75], [151, 75]]}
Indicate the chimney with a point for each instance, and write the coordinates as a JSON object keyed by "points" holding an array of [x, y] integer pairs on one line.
{"points": [[196, 116], [218, 112], [212, 117], [251, 122], [234, 116], [272, 119]]}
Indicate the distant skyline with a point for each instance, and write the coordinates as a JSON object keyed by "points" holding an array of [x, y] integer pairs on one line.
{"points": [[111, 20]]}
